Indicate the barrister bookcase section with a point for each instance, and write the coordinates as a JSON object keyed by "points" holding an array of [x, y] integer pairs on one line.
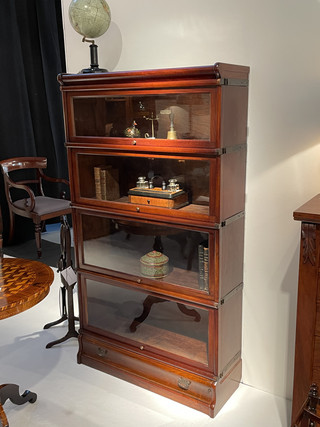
{"points": [[157, 163]]}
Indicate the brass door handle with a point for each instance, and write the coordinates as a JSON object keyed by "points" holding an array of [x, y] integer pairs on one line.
{"points": [[184, 383]]}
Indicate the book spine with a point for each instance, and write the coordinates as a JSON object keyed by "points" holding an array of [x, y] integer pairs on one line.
{"points": [[97, 181], [201, 266], [206, 268], [103, 180]]}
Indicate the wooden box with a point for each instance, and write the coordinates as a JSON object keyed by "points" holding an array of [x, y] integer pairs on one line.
{"points": [[158, 197]]}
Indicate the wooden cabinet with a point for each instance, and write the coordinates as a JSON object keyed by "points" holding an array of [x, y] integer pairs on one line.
{"points": [[157, 163], [307, 347]]}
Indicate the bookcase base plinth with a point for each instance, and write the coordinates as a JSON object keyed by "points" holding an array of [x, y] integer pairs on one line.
{"points": [[199, 392]]}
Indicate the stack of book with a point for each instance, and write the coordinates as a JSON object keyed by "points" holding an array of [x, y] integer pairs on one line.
{"points": [[106, 181]]}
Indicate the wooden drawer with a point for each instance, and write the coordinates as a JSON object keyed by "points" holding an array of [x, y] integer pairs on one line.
{"points": [[188, 388], [148, 373], [174, 378]]}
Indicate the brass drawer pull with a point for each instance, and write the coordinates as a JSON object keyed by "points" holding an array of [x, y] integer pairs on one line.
{"points": [[184, 383], [102, 352]]}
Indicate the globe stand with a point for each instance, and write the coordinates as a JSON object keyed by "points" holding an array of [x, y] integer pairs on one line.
{"points": [[94, 65]]}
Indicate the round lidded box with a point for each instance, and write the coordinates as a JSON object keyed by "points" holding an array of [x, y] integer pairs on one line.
{"points": [[154, 264]]}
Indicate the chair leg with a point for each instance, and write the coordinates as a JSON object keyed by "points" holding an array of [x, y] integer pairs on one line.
{"points": [[37, 232], [43, 227], [11, 230]]}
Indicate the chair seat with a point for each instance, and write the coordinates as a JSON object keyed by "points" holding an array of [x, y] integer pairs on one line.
{"points": [[44, 205]]}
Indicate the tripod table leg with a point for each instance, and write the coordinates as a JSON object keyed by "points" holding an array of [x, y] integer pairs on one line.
{"points": [[11, 392]]}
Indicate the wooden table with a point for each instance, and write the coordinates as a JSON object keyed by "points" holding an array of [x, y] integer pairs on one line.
{"points": [[23, 283]]}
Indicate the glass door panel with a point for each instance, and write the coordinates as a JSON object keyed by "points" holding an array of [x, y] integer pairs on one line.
{"points": [[170, 183], [149, 321], [150, 252], [160, 116]]}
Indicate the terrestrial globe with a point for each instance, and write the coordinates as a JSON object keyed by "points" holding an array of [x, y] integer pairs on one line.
{"points": [[91, 19]]}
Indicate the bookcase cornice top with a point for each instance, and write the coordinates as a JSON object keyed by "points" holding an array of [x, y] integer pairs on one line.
{"points": [[216, 74]]}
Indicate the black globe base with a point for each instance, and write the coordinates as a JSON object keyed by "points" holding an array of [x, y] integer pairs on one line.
{"points": [[94, 70], [94, 65]]}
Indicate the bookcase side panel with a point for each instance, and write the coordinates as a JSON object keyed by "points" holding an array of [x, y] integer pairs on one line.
{"points": [[233, 182], [231, 249], [234, 112]]}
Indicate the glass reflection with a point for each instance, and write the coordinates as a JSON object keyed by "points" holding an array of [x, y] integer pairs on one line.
{"points": [[168, 116], [145, 250], [149, 320]]}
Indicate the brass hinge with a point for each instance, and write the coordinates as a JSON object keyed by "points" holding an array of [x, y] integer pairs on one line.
{"points": [[229, 364], [229, 220], [230, 149], [234, 82], [230, 294]]}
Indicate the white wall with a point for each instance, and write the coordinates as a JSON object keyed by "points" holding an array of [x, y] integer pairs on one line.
{"points": [[280, 41]]}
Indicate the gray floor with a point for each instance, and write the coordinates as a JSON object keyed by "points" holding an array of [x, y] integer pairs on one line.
{"points": [[75, 395]]}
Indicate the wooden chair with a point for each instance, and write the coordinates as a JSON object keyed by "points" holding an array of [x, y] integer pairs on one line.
{"points": [[25, 195]]}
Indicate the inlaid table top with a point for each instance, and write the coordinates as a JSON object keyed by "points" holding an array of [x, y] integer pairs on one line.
{"points": [[23, 283]]}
